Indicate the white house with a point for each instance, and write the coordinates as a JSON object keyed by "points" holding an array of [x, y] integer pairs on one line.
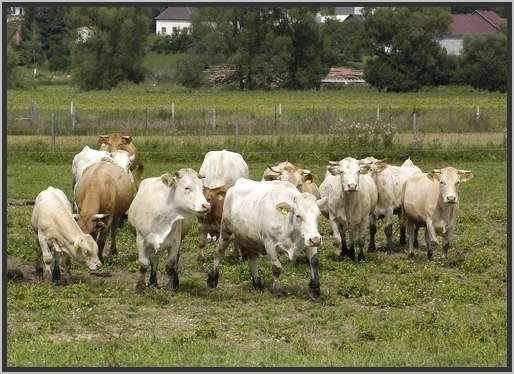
{"points": [[480, 22], [173, 19], [14, 13], [341, 13]]}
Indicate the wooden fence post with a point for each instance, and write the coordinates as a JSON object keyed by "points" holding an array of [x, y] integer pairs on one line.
{"points": [[33, 111], [378, 113], [214, 118], [146, 120], [236, 131], [280, 109], [72, 115], [173, 112], [53, 132], [414, 127], [477, 115]]}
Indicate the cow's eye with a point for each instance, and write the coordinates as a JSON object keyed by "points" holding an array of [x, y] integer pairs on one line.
{"points": [[298, 217], [441, 182], [458, 182], [188, 188]]}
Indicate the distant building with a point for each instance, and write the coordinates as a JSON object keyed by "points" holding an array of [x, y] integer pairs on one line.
{"points": [[480, 22], [14, 13], [172, 20], [341, 14]]}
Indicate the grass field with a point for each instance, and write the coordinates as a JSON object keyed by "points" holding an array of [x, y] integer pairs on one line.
{"points": [[386, 311]]}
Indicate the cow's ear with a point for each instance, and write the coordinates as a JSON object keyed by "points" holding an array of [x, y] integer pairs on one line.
{"points": [[333, 167], [132, 158], [435, 175], [220, 195], [76, 216], [379, 166], [307, 175], [364, 168], [103, 139], [284, 208], [465, 175], [168, 179], [126, 139], [98, 220]]}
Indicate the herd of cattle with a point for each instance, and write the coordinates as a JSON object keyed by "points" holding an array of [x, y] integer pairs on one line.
{"points": [[278, 213]]}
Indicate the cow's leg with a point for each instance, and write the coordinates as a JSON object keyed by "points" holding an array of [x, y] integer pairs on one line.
{"points": [[47, 256], [411, 229], [314, 288], [66, 264], [403, 239], [372, 231], [223, 242], [416, 234], [173, 257], [447, 238], [143, 262], [154, 261], [430, 238], [101, 238], [202, 241], [252, 264], [351, 251], [388, 229], [114, 229], [337, 239], [238, 253], [56, 268], [276, 268], [360, 235]]}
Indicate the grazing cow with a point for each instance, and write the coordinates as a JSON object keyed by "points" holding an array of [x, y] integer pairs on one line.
{"points": [[221, 170], [352, 198], [389, 180], [302, 179], [432, 200], [264, 217], [104, 188], [59, 235], [160, 212], [116, 141]]}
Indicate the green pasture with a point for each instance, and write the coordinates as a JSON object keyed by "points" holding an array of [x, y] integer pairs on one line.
{"points": [[386, 311]]}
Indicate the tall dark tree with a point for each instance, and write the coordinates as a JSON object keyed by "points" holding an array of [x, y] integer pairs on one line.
{"points": [[404, 47], [108, 45], [345, 41], [44, 37]]}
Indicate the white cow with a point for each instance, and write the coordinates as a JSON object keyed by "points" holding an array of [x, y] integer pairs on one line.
{"points": [[59, 235], [352, 196], [84, 159], [389, 180], [158, 212], [432, 200], [265, 217], [221, 169]]}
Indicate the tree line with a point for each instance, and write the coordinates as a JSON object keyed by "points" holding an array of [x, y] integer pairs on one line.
{"points": [[397, 47]]}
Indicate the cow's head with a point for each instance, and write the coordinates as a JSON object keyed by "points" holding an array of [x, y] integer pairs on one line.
{"points": [[349, 169], [303, 216], [449, 180], [114, 142], [124, 160], [286, 171], [92, 225], [188, 191], [86, 251], [216, 198]]}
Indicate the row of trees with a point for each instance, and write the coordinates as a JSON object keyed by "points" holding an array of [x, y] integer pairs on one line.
{"points": [[267, 47]]}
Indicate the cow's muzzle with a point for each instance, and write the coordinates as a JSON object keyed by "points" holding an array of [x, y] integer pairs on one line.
{"points": [[315, 241]]}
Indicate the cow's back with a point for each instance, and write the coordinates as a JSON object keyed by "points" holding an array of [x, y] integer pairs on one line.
{"points": [[109, 184], [223, 167]]}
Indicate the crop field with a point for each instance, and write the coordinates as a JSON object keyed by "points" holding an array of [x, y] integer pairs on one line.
{"points": [[386, 311]]}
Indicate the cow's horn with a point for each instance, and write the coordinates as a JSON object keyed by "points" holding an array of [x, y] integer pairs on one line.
{"points": [[275, 171]]}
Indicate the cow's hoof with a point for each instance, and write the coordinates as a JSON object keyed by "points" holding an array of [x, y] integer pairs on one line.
{"points": [[257, 283], [278, 291], [173, 283], [372, 247], [314, 291], [360, 256], [140, 286], [153, 280], [411, 255], [416, 244], [212, 278]]}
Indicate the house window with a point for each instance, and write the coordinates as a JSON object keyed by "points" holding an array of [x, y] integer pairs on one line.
{"points": [[175, 29], [163, 30]]}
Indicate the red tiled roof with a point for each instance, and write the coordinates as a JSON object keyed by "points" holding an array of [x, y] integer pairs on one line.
{"points": [[478, 22]]}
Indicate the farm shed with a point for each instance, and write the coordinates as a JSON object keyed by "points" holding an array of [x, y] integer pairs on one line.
{"points": [[477, 23], [343, 76], [172, 20]]}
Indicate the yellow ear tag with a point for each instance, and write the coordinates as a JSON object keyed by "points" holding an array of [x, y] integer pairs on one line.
{"points": [[284, 211], [220, 197]]}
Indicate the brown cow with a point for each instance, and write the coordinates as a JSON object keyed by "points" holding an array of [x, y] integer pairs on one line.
{"points": [[302, 179], [116, 141], [210, 223], [104, 188]]}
